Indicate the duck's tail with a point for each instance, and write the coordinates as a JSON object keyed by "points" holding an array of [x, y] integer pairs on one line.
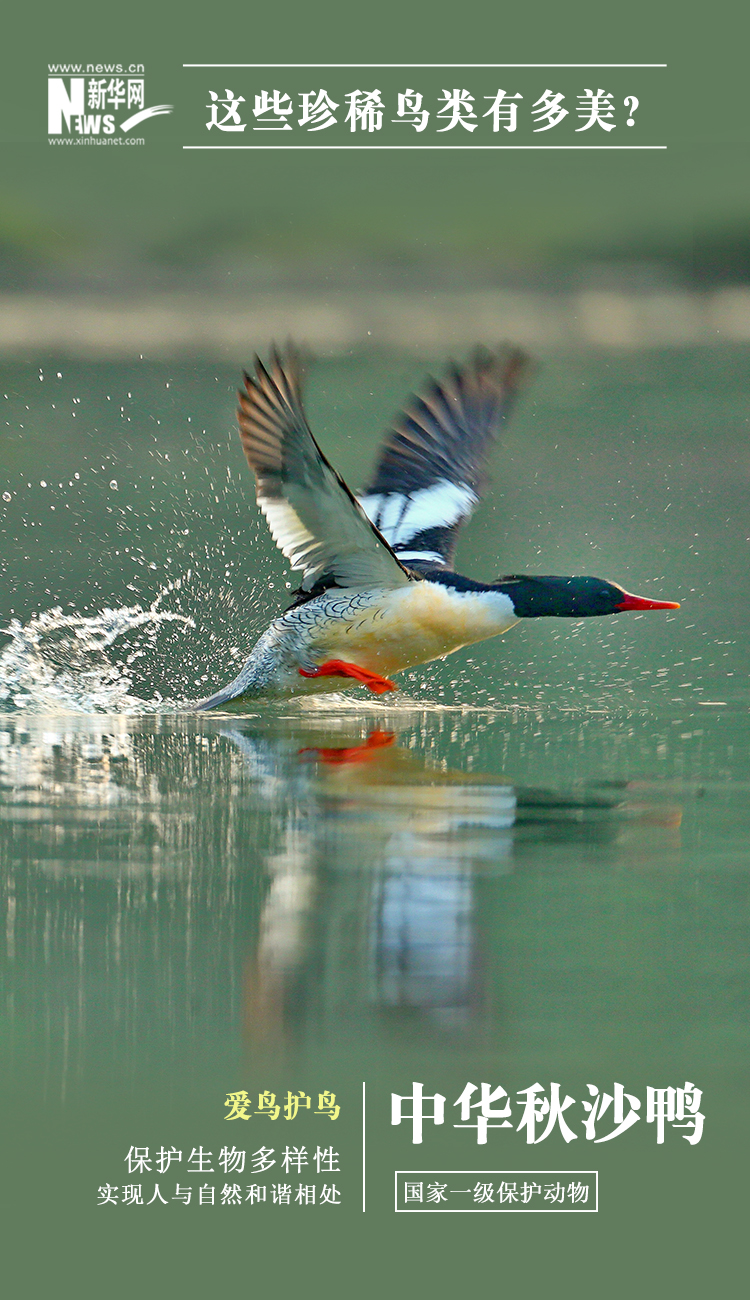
{"points": [[227, 693]]}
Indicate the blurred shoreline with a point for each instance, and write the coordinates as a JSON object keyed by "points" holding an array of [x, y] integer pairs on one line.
{"points": [[165, 325]]}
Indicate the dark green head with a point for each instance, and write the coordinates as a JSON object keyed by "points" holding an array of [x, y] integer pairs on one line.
{"points": [[558, 597]]}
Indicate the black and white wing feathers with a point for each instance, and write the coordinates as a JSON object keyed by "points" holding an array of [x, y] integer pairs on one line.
{"points": [[314, 518], [432, 468]]}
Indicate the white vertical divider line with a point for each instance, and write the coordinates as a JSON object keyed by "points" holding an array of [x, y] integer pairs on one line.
{"points": [[364, 1147]]}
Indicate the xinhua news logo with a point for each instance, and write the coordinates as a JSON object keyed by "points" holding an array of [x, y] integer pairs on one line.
{"points": [[102, 106]]}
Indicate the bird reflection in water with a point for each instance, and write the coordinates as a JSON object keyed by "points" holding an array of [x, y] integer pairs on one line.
{"points": [[373, 907], [160, 885]]}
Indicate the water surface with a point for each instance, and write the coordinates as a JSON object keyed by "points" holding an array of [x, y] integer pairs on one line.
{"points": [[533, 865]]}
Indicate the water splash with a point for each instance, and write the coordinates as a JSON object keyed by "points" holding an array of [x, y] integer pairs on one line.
{"points": [[60, 662]]}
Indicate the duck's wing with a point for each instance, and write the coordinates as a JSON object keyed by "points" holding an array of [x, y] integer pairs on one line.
{"points": [[432, 468], [314, 518]]}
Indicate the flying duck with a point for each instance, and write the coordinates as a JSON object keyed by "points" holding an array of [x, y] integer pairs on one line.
{"points": [[378, 591]]}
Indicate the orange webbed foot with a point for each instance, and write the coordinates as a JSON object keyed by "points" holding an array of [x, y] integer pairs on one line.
{"points": [[339, 668]]}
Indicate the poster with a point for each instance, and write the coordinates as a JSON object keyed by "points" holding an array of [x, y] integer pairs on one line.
{"points": [[283, 987]]}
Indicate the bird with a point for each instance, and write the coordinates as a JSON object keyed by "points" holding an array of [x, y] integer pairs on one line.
{"points": [[378, 591]]}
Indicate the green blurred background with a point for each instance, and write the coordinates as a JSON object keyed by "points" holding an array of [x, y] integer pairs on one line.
{"points": [[638, 260], [158, 218]]}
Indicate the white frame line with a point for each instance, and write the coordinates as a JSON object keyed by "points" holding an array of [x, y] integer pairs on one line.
{"points": [[466, 148], [424, 65], [402, 1210]]}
